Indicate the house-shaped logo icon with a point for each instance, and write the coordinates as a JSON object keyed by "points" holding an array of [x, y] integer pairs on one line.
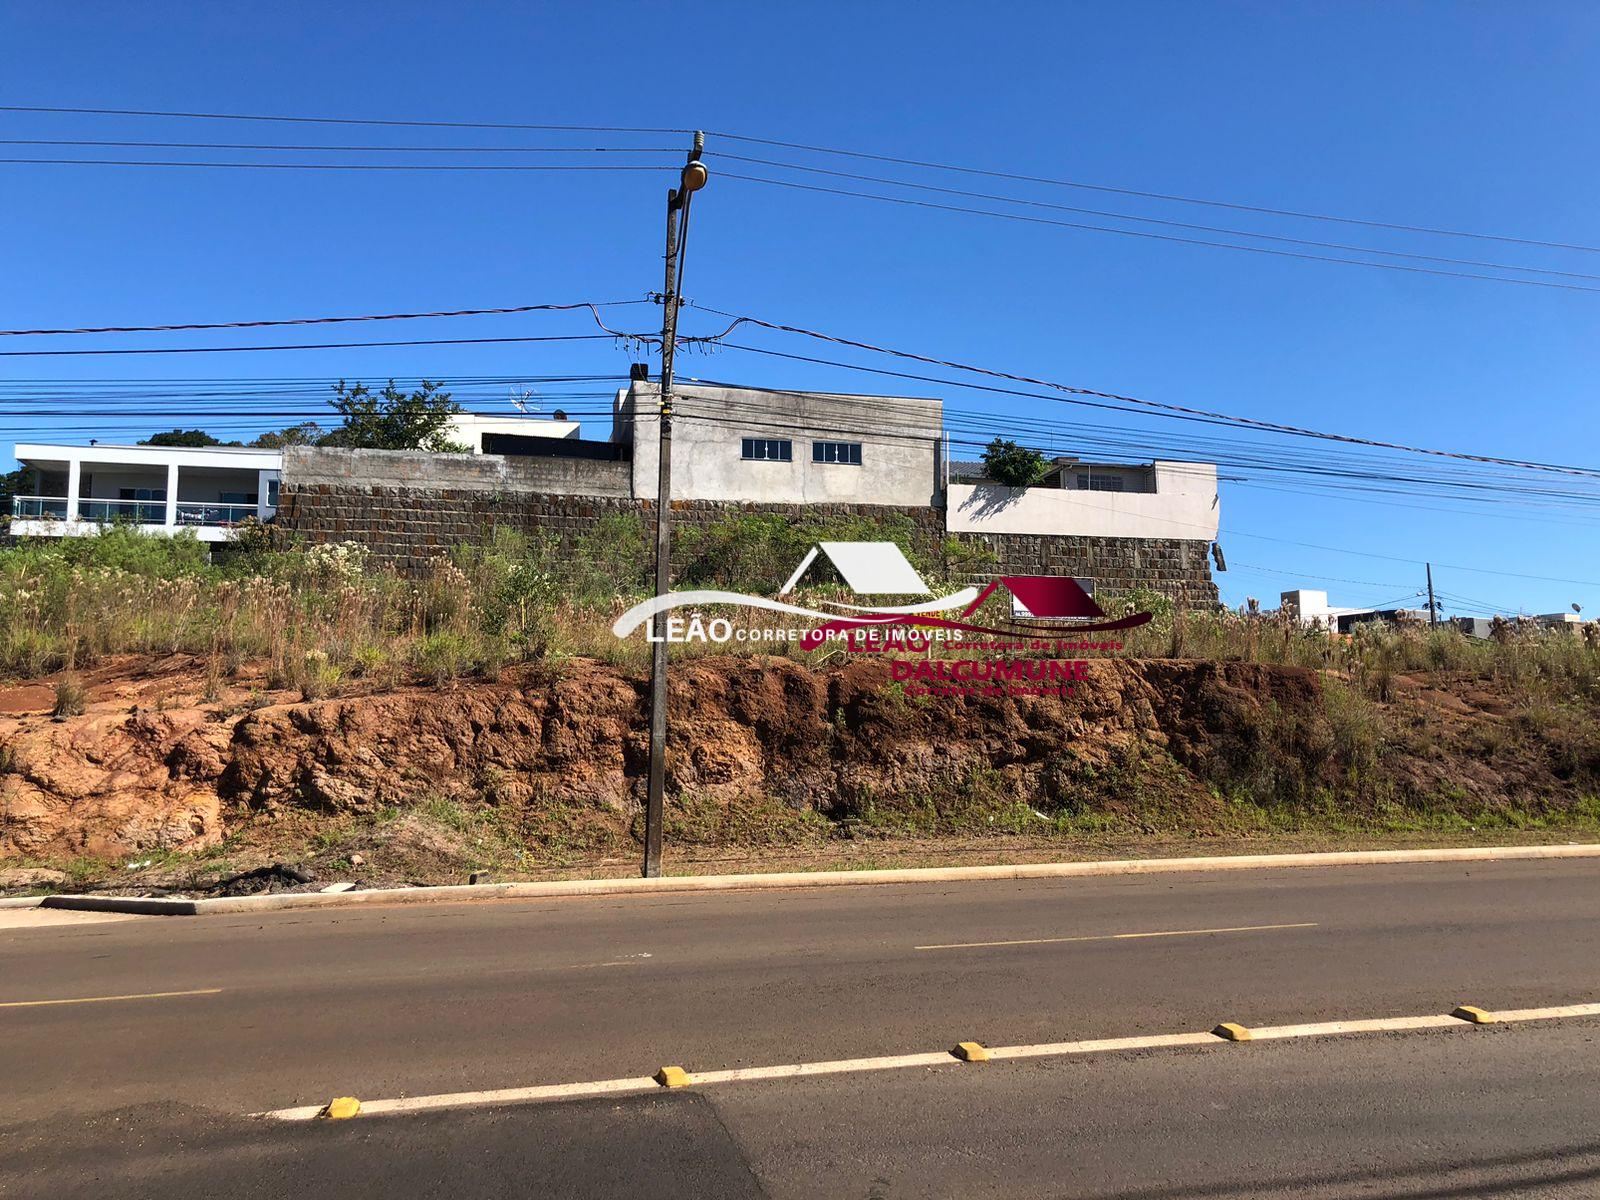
{"points": [[868, 568], [1045, 597]]}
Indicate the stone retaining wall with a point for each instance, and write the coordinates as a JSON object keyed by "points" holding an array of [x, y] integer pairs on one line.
{"points": [[408, 509]]}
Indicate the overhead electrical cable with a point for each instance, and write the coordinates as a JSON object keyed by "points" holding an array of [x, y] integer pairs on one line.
{"points": [[208, 116], [276, 166], [1121, 216], [361, 148], [1160, 237], [590, 305], [568, 337], [1251, 422], [1148, 195]]}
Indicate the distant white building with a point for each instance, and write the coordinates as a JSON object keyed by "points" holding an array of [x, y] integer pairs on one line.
{"points": [[1310, 607], [472, 430], [73, 490]]}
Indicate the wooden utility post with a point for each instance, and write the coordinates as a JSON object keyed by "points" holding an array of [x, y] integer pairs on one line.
{"points": [[1433, 611], [678, 198]]}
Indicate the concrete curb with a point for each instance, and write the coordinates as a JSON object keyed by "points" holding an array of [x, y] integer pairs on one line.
{"points": [[21, 901], [805, 879]]}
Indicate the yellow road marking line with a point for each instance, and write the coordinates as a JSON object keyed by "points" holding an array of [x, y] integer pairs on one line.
{"points": [[568, 1091], [1117, 937], [107, 999]]}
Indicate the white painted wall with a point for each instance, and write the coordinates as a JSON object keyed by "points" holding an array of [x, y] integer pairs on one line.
{"points": [[468, 428], [1184, 505], [899, 436]]}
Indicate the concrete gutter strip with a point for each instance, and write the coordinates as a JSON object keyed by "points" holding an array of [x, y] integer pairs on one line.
{"points": [[145, 905], [805, 879]]}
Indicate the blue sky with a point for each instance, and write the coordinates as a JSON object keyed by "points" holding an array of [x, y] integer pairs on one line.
{"points": [[1446, 115]]}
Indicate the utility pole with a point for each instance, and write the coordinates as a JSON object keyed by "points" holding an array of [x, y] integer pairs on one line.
{"points": [[1433, 611], [678, 198]]}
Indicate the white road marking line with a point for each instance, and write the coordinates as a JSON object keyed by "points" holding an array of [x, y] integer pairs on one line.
{"points": [[522, 1095], [1104, 1045], [1546, 1014], [107, 999], [1375, 1025], [1117, 937], [837, 1067], [571, 1091]]}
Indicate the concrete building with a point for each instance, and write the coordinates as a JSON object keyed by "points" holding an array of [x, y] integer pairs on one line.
{"points": [[73, 490], [471, 429], [1310, 607], [762, 447], [806, 456], [1162, 500]]}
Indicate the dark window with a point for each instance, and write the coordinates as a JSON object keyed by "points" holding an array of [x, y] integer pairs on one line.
{"points": [[142, 494], [836, 452], [238, 497], [768, 450]]}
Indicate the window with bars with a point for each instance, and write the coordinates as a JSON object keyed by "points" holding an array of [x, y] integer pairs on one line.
{"points": [[1099, 483], [768, 450], [848, 453]]}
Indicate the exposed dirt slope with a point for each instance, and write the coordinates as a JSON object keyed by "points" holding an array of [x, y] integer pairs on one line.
{"points": [[1151, 744]]}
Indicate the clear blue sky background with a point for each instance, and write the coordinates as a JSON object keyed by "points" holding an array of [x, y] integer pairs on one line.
{"points": [[1464, 116]]}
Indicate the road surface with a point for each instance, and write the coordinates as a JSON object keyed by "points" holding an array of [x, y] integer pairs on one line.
{"points": [[227, 1016]]}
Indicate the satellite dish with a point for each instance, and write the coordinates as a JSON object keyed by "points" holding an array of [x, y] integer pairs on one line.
{"points": [[1577, 608]]}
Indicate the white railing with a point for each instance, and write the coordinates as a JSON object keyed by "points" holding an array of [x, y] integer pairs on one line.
{"points": [[190, 513], [39, 508]]}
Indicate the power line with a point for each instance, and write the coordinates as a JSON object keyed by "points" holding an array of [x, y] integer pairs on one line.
{"points": [[1167, 196], [410, 316], [361, 148], [1225, 418], [207, 116], [266, 166], [569, 337], [1121, 216], [812, 149], [1159, 237]]}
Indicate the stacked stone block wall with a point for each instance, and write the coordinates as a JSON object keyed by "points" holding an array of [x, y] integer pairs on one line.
{"points": [[408, 514]]}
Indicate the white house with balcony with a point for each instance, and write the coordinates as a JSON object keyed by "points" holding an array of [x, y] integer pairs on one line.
{"points": [[73, 490]]}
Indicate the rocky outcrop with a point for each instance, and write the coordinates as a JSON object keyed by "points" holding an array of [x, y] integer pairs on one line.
{"points": [[1170, 734]]}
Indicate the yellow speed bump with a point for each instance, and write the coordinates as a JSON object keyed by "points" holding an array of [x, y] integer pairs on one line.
{"points": [[1231, 1032], [970, 1052], [672, 1077], [1477, 1016], [341, 1108]]}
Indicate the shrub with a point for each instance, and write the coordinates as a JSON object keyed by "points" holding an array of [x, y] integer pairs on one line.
{"points": [[71, 698]]}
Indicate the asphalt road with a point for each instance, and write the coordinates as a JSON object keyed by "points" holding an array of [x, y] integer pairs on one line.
{"points": [[148, 1095]]}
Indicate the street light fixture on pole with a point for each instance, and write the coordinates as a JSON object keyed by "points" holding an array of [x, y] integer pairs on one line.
{"points": [[692, 180]]}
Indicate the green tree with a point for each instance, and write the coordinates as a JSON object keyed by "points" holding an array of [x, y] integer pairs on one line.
{"points": [[1013, 465], [194, 439], [12, 483], [307, 433], [392, 419]]}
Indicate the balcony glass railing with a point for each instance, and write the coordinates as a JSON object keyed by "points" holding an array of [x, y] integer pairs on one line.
{"points": [[192, 513], [38, 508], [132, 512]]}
